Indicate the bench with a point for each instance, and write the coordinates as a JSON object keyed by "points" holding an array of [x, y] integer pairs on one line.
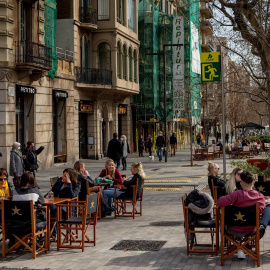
{"points": [[170, 184], [62, 156]]}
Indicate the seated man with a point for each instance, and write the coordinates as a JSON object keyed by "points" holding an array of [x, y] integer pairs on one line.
{"points": [[243, 198]]}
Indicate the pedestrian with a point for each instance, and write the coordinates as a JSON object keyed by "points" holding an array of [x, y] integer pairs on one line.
{"points": [[227, 138], [173, 143], [16, 167], [126, 151], [30, 161], [115, 151], [149, 145], [198, 139], [141, 146], [160, 142]]}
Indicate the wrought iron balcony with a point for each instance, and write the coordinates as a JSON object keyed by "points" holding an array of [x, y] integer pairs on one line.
{"points": [[88, 15], [33, 53], [93, 76]]}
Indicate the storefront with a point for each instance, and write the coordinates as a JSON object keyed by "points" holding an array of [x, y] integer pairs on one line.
{"points": [[25, 96]]}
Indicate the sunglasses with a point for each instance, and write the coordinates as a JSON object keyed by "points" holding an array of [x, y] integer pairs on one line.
{"points": [[2, 179], [239, 173]]}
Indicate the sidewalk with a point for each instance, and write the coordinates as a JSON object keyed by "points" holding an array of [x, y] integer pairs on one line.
{"points": [[162, 220]]}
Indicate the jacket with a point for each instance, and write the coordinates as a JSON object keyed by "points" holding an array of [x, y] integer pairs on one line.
{"points": [[160, 141], [30, 162], [149, 143], [173, 140], [115, 151], [117, 177], [122, 145], [141, 143], [219, 183], [83, 179], [128, 192], [70, 191], [28, 195], [16, 163]]}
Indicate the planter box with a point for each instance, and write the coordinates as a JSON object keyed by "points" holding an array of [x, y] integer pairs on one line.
{"points": [[261, 163]]}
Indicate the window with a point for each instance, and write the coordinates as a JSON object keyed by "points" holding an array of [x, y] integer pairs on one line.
{"points": [[104, 56], [166, 6], [130, 64], [26, 21], [135, 66], [85, 53], [120, 11], [132, 15], [124, 62], [119, 60], [160, 5], [103, 10]]}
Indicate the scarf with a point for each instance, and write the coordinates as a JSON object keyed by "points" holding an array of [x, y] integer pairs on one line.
{"points": [[4, 190]]}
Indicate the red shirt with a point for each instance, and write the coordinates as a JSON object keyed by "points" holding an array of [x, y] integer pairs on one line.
{"points": [[242, 198], [117, 176]]}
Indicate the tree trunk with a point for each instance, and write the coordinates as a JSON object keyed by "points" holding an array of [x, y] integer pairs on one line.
{"points": [[191, 157]]}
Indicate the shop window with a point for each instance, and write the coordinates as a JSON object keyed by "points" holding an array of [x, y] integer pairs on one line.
{"points": [[103, 10], [119, 60], [104, 56], [124, 62]]}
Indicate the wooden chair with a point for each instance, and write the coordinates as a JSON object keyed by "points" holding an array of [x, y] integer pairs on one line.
{"points": [[246, 151], [121, 203], [210, 154], [211, 229], [19, 220], [266, 147], [53, 180], [71, 225], [263, 187], [91, 190], [214, 191], [240, 216], [218, 152]]}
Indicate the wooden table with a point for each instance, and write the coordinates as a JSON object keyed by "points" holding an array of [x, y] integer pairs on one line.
{"points": [[50, 203]]}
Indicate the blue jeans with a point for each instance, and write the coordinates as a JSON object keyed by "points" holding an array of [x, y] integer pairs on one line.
{"points": [[266, 216], [108, 195], [159, 152], [117, 163]]}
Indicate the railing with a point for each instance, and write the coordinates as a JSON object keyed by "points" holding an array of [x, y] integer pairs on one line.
{"points": [[88, 15], [93, 76], [31, 52], [65, 54]]}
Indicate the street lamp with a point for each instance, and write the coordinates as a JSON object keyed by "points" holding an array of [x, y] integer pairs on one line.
{"points": [[165, 94]]}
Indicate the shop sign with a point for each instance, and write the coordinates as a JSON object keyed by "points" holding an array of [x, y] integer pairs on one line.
{"points": [[86, 106], [26, 89], [60, 94], [122, 109]]}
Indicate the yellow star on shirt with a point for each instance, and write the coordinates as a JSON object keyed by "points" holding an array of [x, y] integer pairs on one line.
{"points": [[92, 204], [16, 211], [239, 216], [260, 188]]}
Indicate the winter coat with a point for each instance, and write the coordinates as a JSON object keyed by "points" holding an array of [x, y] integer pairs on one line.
{"points": [[149, 143], [200, 204], [16, 163], [70, 191], [115, 151], [160, 141], [83, 179], [219, 183], [122, 145], [141, 143], [30, 162], [173, 140]]}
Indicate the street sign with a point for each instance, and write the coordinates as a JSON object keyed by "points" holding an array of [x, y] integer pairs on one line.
{"points": [[210, 67]]}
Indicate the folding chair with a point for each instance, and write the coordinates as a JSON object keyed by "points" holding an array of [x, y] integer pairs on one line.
{"points": [[263, 187], [208, 228], [53, 180], [20, 223], [71, 225], [214, 191], [246, 151], [121, 203], [240, 216], [210, 154]]}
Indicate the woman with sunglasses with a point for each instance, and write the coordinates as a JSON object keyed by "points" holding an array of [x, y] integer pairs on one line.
{"points": [[213, 172], [5, 187], [234, 181]]}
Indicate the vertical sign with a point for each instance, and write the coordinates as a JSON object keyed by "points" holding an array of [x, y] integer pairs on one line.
{"points": [[210, 67], [178, 66], [195, 50]]}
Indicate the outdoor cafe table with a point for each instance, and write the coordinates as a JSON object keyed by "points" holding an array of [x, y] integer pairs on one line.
{"points": [[50, 203]]}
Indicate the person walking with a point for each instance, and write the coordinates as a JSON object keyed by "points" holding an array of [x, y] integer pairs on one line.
{"points": [[227, 138], [160, 142], [173, 143], [115, 151], [126, 151], [30, 161], [141, 146], [16, 168], [198, 139], [149, 145]]}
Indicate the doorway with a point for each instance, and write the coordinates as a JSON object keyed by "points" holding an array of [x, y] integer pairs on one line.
{"points": [[83, 151]]}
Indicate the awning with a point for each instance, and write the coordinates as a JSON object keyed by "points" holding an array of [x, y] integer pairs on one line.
{"points": [[251, 125]]}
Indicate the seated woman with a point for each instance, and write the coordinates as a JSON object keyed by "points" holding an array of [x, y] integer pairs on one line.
{"points": [[213, 171], [5, 186], [28, 189], [234, 181], [68, 186], [127, 191], [110, 172]]}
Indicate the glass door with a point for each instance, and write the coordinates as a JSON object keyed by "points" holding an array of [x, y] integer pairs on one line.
{"points": [[83, 135]]}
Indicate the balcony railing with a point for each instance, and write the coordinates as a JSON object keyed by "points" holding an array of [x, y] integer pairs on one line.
{"points": [[93, 76], [88, 15], [31, 52]]}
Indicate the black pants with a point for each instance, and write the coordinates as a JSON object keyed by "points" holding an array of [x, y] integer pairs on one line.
{"points": [[124, 162], [150, 151], [140, 152]]}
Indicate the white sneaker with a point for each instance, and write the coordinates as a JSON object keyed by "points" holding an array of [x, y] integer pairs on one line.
{"points": [[241, 254]]}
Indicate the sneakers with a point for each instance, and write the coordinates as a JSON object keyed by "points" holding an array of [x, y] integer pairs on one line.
{"points": [[262, 230], [241, 254]]}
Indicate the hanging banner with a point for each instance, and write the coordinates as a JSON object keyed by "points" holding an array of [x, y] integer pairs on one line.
{"points": [[195, 50], [178, 66]]}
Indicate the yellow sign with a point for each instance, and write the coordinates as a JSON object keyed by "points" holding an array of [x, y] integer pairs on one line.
{"points": [[210, 67]]}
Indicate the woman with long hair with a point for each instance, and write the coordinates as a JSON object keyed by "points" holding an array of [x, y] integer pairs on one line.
{"points": [[234, 181], [110, 172], [213, 171]]}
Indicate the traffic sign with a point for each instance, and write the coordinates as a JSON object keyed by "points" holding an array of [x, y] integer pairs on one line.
{"points": [[210, 67]]}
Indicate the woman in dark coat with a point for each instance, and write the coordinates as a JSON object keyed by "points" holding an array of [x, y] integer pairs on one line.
{"points": [[141, 146], [149, 145]]}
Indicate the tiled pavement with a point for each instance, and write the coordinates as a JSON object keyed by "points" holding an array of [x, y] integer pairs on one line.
{"points": [[157, 206]]}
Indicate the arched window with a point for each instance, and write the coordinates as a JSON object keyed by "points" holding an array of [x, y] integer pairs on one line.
{"points": [[119, 75], [130, 64], [125, 62], [135, 66], [104, 56]]}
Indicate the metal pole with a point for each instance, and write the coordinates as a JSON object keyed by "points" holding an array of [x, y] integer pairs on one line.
{"points": [[223, 117], [165, 101]]}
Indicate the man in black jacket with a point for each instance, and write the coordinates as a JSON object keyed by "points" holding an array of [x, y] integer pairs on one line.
{"points": [[173, 143], [115, 151]]}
